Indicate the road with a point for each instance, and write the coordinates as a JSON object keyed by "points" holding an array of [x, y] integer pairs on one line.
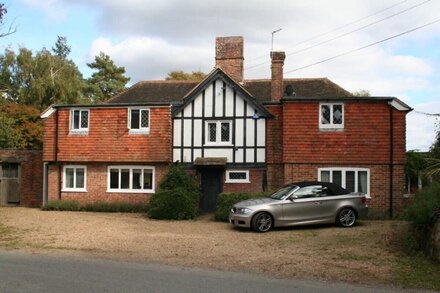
{"points": [[26, 272]]}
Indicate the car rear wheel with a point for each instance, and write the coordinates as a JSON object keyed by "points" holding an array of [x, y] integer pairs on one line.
{"points": [[262, 222], [346, 217]]}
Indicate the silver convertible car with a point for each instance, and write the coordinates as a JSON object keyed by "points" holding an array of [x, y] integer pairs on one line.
{"points": [[300, 204]]}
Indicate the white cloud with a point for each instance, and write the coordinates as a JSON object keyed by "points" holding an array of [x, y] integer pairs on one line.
{"points": [[420, 128]]}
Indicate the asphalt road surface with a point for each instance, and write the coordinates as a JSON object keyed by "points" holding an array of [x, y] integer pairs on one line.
{"points": [[26, 272]]}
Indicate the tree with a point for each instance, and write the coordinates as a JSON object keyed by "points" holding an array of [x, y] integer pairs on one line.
{"points": [[107, 81], [10, 30], [362, 93], [61, 48], [41, 79], [181, 75]]}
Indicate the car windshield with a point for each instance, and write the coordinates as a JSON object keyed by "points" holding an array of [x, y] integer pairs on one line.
{"points": [[283, 192]]}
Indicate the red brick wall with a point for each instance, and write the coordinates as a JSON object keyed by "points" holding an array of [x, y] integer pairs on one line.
{"points": [[229, 56], [379, 182], [108, 139], [274, 135], [96, 185], [364, 139], [255, 185], [31, 181]]}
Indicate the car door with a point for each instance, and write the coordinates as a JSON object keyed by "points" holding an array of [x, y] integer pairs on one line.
{"points": [[306, 204]]}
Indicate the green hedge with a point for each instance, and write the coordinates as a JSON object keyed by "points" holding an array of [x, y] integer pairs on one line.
{"points": [[177, 197], [226, 200], [422, 209], [108, 207]]}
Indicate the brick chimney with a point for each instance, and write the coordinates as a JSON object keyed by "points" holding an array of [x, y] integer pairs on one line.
{"points": [[229, 56], [276, 84]]}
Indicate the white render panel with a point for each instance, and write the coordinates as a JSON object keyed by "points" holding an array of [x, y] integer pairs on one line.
{"points": [[176, 132], [197, 132], [249, 155], [197, 153], [229, 101], [198, 106], [208, 101], [187, 132], [250, 110], [210, 153], [218, 98], [240, 106], [261, 155], [239, 156], [239, 132], [250, 130], [261, 132], [187, 155], [176, 155], [187, 111]]}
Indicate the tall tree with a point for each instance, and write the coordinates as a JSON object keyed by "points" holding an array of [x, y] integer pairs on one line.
{"points": [[61, 49], [181, 75], [107, 80], [40, 79]]}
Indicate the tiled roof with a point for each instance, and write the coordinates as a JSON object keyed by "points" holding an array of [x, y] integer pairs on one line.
{"points": [[172, 91]]}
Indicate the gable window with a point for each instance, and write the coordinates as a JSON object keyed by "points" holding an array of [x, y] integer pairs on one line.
{"points": [[139, 120], [331, 116], [353, 179], [218, 132], [74, 178], [79, 120], [130, 178], [237, 176]]}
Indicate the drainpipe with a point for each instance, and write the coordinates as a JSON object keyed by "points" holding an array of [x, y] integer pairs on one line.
{"points": [[391, 165], [45, 179], [56, 155]]}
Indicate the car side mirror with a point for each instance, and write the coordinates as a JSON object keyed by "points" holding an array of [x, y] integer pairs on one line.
{"points": [[293, 197]]}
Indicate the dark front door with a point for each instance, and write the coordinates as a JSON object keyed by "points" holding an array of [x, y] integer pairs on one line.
{"points": [[211, 187]]}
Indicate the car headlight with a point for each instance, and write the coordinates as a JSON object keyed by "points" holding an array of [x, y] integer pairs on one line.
{"points": [[243, 211]]}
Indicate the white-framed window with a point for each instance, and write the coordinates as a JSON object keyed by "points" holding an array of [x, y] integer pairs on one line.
{"points": [[74, 178], [139, 120], [353, 179], [135, 179], [218, 132], [79, 120], [237, 176], [331, 116]]}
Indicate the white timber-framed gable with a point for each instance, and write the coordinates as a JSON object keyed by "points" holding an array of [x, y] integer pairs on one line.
{"points": [[220, 119]]}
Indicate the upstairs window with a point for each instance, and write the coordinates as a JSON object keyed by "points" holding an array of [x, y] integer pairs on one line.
{"points": [[331, 116], [218, 132], [79, 120], [139, 120]]}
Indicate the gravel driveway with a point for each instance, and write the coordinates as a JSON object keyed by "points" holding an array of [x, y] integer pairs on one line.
{"points": [[363, 254]]}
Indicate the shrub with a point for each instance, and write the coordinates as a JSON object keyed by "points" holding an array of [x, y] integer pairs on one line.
{"points": [[116, 207], [62, 205], [177, 197], [422, 209], [227, 199]]}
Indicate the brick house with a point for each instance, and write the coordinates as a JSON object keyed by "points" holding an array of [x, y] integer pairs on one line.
{"points": [[235, 134]]}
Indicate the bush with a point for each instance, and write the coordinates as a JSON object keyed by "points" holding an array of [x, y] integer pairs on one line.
{"points": [[177, 197], [108, 207], [227, 199], [422, 209], [62, 205], [116, 207]]}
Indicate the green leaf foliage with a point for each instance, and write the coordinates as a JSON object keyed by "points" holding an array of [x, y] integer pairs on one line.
{"points": [[107, 80], [177, 197], [425, 202], [227, 199], [181, 75]]}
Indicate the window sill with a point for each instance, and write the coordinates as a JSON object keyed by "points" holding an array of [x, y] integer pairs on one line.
{"points": [[78, 132], [74, 190], [138, 132], [237, 181], [226, 144], [130, 191], [330, 129]]}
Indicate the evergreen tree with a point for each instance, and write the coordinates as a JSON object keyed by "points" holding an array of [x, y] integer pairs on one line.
{"points": [[107, 81], [61, 48], [181, 75]]}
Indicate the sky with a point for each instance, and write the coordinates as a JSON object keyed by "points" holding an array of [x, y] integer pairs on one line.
{"points": [[152, 38]]}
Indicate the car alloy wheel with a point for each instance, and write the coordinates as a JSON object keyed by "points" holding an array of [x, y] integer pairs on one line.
{"points": [[346, 217], [262, 222]]}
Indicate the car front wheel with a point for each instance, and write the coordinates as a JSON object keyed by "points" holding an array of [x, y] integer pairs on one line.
{"points": [[262, 222], [346, 217]]}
